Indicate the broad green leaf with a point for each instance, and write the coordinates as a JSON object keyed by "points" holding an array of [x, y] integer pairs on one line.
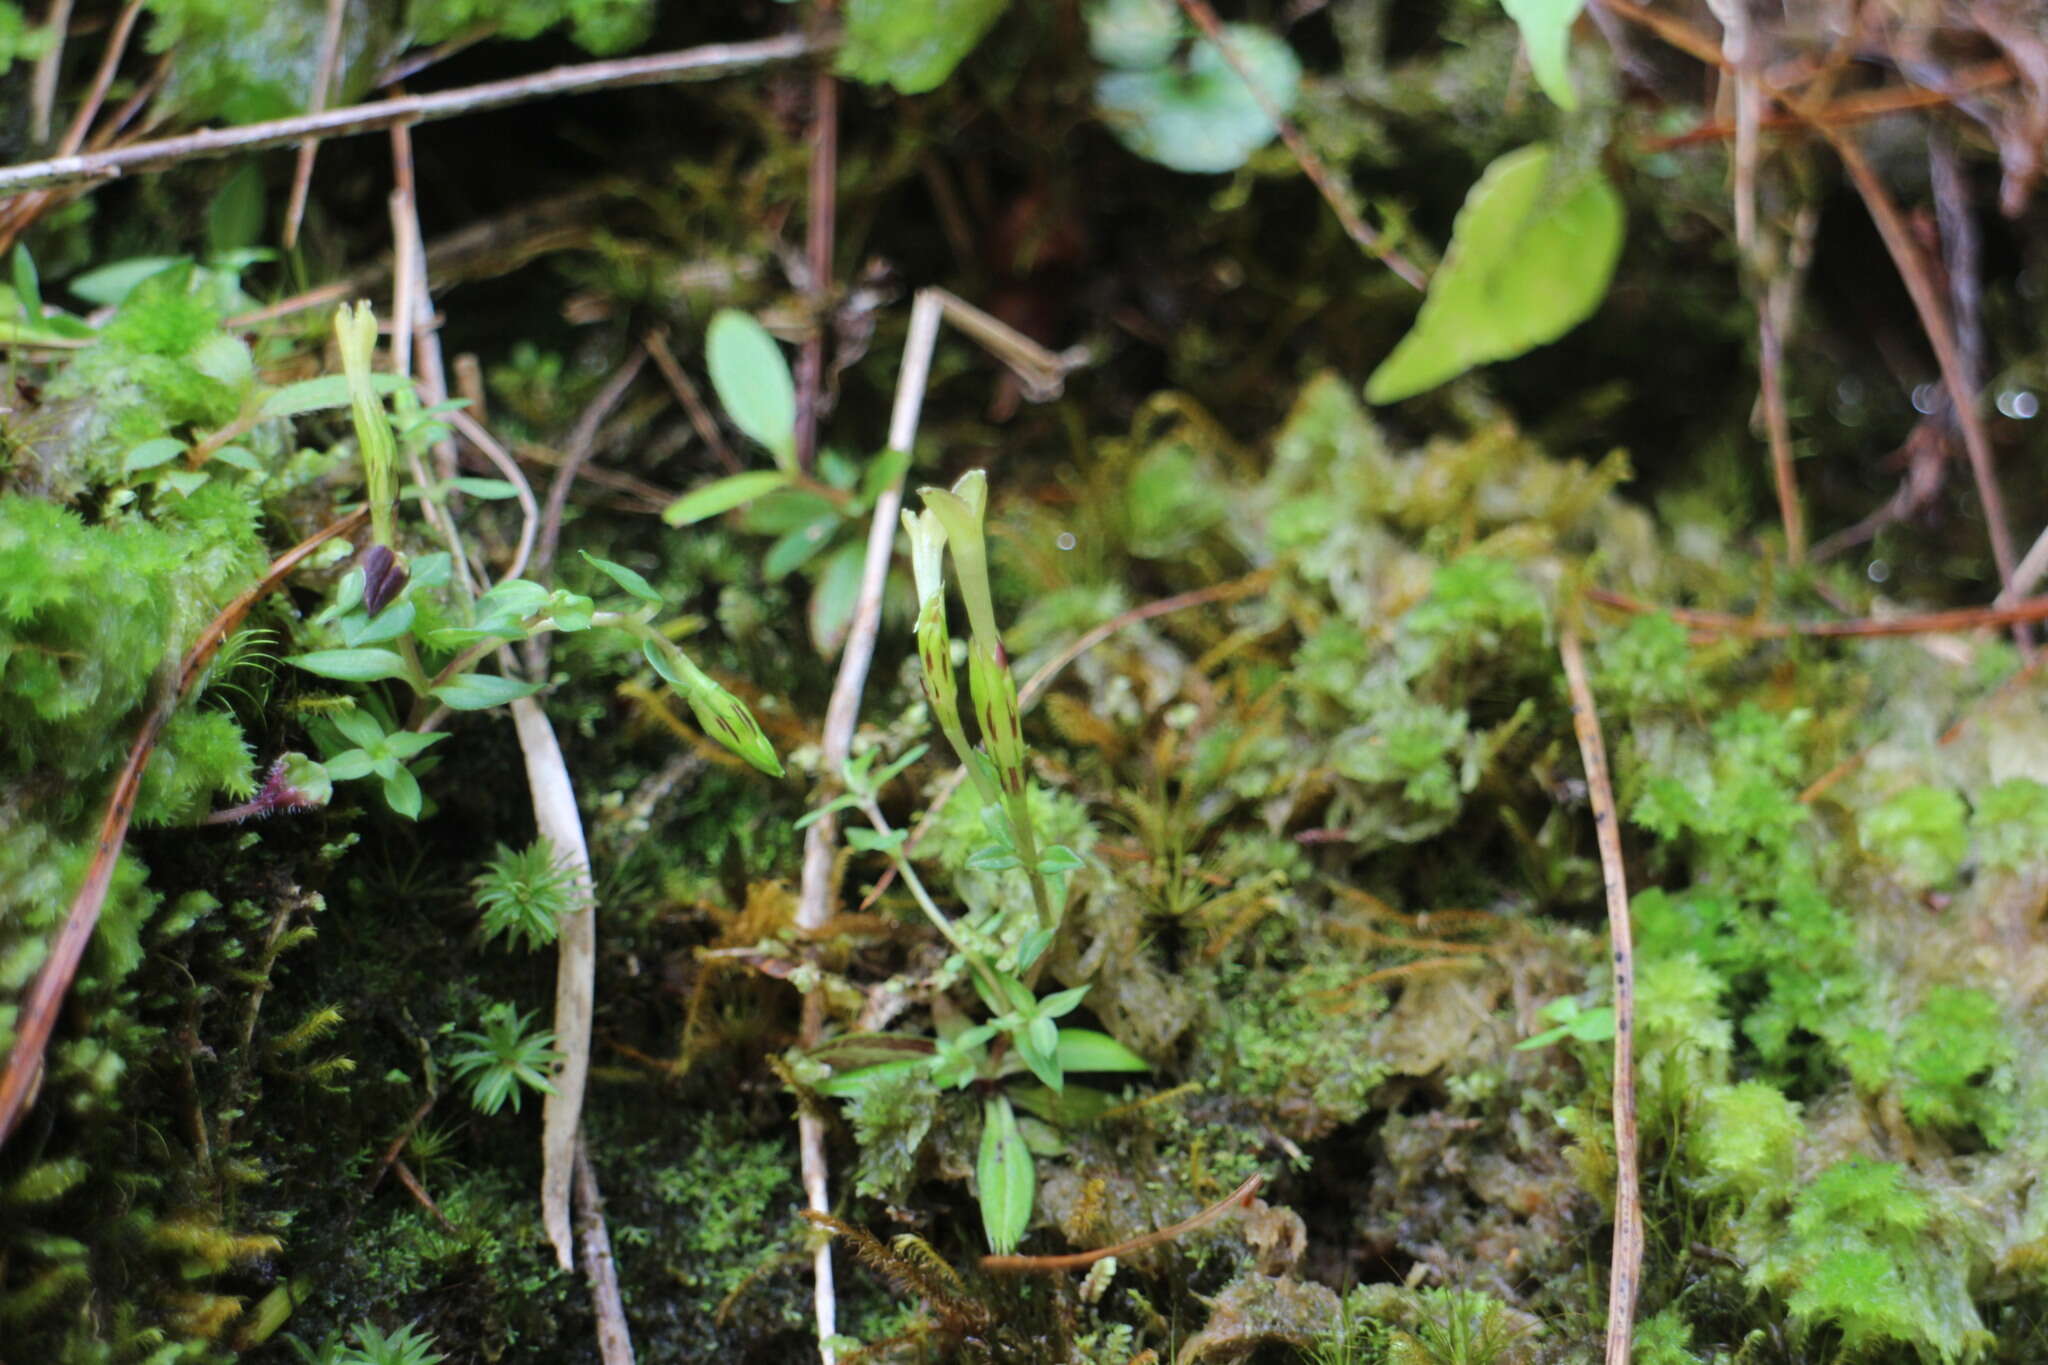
{"points": [[570, 611], [1546, 30], [1202, 117], [1061, 1003], [110, 284], [913, 47], [850, 1083], [837, 593], [884, 471], [150, 454], [327, 391], [1084, 1049], [351, 665], [784, 510], [752, 379], [388, 624], [1007, 1178], [722, 495], [624, 577], [481, 691], [346, 767], [1529, 260]]}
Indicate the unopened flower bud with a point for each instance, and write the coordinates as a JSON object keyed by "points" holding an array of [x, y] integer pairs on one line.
{"points": [[927, 554], [960, 512], [994, 690], [294, 782], [384, 577], [726, 719], [356, 331]]}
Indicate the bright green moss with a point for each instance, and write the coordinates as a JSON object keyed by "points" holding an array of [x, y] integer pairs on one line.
{"points": [[1920, 832]]}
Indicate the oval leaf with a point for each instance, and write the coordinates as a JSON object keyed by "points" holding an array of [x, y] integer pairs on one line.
{"points": [[722, 495], [913, 47], [1008, 1180], [752, 379], [1084, 1049], [351, 665], [1529, 261], [1203, 118], [481, 691]]}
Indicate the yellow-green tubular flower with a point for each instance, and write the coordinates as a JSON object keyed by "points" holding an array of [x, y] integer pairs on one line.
{"points": [[995, 708], [927, 554], [356, 329], [960, 512]]}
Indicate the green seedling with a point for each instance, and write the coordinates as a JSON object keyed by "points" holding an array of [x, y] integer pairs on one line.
{"points": [[1572, 1020], [506, 1059]]}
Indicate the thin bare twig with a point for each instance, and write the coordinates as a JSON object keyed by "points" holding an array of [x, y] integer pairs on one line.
{"points": [[718, 59], [614, 1338], [1856, 108], [43, 91], [475, 433], [323, 81], [582, 440], [1239, 1198], [2026, 611], [38, 1016], [1355, 227], [693, 402], [1626, 1266], [818, 226]]}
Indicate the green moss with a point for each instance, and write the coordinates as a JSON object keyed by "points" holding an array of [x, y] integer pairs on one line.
{"points": [[1921, 833]]}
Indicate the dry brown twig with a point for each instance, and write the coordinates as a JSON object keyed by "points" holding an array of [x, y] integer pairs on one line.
{"points": [[1355, 227], [323, 82], [718, 59], [819, 227], [1626, 1266]]}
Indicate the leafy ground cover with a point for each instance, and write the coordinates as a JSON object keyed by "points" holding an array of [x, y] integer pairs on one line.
{"points": [[1211, 875]]}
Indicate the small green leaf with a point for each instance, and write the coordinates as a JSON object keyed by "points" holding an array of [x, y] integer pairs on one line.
{"points": [[570, 611], [235, 218], [28, 285], [624, 577], [1061, 1003], [1203, 118], [152, 453], [875, 841], [1134, 34], [833, 599], [388, 624], [1057, 859], [1085, 1049], [351, 665], [1546, 29], [348, 765], [239, 457], [327, 391], [722, 495], [490, 490], [1007, 1178], [752, 379], [481, 691], [847, 1084], [402, 793], [884, 472], [1529, 260], [110, 284], [913, 47], [799, 547]]}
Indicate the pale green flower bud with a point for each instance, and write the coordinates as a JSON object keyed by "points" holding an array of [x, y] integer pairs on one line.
{"points": [[995, 708], [935, 654], [927, 554], [960, 512], [719, 713], [356, 330]]}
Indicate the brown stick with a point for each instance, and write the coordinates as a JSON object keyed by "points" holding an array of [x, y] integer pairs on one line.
{"points": [[1626, 1266], [39, 1007], [1370, 242], [1858, 108], [323, 81], [718, 59], [614, 1338], [819, 227], [1241, 1197], [693, 402], [2025, 611]]}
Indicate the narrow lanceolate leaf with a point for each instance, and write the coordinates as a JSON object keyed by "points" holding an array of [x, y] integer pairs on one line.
{"points": [[327, 391], [722, 495], [351, 665], [753, 382], [481, 691], [1006, 1176], [624, 577], [1530, 259]]}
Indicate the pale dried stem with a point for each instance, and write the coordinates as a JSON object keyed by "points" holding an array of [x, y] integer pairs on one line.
{"points": [[477, 435], [701, 420], [43, 90], [695, 63], [1626, 1264], [614, 1338], [323, 82]]}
